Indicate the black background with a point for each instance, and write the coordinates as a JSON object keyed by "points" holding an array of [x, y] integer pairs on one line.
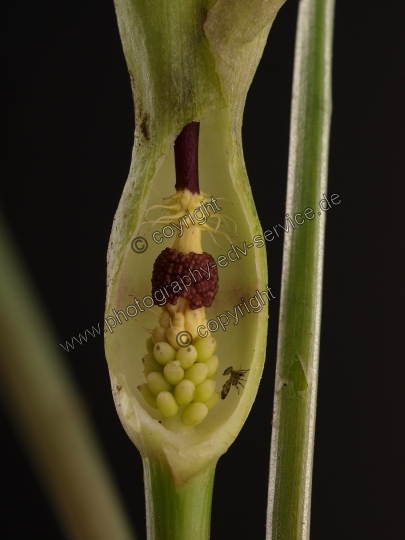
{"points": [[68, 132]]}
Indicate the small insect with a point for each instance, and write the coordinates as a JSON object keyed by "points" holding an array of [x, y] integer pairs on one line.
{"points": [[236, 376]]}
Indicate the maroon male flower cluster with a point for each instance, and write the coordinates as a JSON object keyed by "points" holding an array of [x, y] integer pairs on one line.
{"points": [[193, 276]]}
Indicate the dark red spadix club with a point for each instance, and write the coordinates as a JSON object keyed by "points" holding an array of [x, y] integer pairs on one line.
{"points": [[193, 277], [186, 158]]}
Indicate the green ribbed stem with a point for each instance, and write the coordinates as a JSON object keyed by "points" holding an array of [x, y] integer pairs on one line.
{"points": [[300, 310], [182, 512]]}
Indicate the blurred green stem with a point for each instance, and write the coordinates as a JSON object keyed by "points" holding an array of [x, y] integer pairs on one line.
{"points": [[300, 315], [49, 414]]}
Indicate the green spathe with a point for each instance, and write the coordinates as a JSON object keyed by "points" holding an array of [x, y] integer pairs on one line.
{"points": [[187, 61]]}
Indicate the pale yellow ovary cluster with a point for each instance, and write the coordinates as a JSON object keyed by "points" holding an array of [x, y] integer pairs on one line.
{"points": [[180, 376]]}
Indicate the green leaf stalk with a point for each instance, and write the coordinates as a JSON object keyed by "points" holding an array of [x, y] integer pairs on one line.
{"points": [[46, 407], [300, 313]]}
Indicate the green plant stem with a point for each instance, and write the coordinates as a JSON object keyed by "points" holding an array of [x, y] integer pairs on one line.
{"points": [[300, 316], [46, 407], [177, 511]]}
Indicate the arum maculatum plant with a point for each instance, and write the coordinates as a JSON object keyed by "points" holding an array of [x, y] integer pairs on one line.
{"points": [[187, 290]]}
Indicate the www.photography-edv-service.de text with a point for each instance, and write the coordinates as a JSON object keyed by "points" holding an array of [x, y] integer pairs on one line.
{"points": [[233, 255]]}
